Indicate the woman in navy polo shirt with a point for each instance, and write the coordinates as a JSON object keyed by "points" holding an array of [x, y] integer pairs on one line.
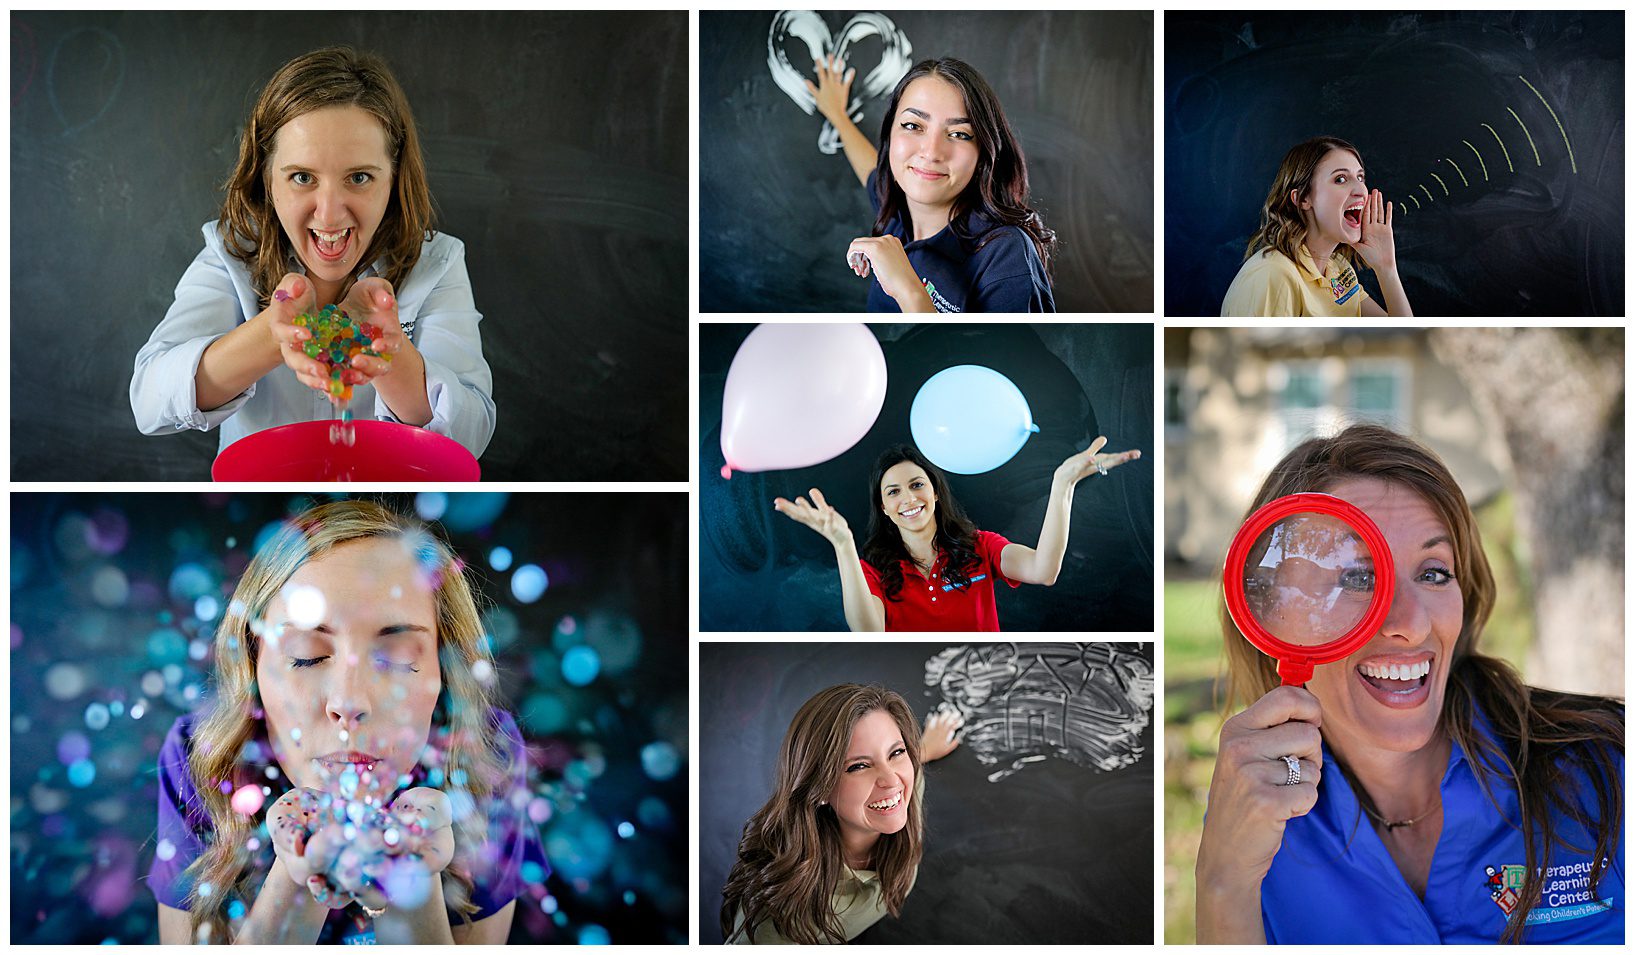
{"points": [[924, 565], [1437, 798], [953, 230]]}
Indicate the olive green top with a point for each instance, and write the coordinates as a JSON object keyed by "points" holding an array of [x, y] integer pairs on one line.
{"points": [[859, 901]]}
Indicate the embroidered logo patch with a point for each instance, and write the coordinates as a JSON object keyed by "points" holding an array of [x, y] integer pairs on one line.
{"points": [[1567, 892], [1344, 285], [942, 304]]}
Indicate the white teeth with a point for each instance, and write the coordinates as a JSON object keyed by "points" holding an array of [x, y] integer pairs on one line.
{"points": [[887, 804], [1396, 671], [332, 236], [911, 511]]}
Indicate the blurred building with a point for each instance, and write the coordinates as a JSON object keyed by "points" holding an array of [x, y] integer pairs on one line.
{"points": [[1237, 399]]}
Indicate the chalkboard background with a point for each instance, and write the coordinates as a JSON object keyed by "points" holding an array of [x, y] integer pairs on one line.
{"points": [[556, 146], [775, 214], [1055, 853], [1409, 89], [759, 570]]}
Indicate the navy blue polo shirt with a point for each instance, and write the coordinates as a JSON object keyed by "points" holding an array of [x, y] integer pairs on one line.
{"points": [[1004, 275], [1333, 881]]}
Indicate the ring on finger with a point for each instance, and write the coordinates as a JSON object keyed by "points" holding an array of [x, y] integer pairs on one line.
{"points": [[1293, 762]]}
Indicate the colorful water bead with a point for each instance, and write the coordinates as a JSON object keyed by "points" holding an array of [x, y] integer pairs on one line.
{"points": [[336, 340]]}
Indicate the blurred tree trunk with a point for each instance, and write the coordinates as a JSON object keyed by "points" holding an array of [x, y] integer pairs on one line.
{"points": [[1557, 396]]}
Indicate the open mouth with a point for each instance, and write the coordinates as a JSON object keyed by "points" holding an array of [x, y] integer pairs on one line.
{"points": [[887, 805], [331, 246], [911, 513], [1398, 685], [1353, 217]]}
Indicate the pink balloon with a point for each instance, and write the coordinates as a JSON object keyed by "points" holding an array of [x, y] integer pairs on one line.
{"points": [[798, 395]]}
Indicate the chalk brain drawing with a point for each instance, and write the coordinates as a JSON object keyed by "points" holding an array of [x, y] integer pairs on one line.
{"points": [[809, 27], [1024, 702]]}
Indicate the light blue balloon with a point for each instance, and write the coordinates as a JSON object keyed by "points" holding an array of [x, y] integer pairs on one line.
{"points": [[969, 419]]}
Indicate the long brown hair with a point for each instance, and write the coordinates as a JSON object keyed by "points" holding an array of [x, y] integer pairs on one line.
{"points": [[465, 738], [334, 76], [790, 857], [999, 186], [1544, 739], [1281, 225]]}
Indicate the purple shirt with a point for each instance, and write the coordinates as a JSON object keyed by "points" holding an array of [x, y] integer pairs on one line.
{"points": [[497, 870]]}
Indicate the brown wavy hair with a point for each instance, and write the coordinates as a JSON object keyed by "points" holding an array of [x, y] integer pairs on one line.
{"points": [[884, 549], [465, 737], [790, 857], [999, 186], [1281, 225], [1545, 740], [334, 76]]}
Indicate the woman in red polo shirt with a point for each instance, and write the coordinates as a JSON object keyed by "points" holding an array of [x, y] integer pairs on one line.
{"points": [[924, 565]]}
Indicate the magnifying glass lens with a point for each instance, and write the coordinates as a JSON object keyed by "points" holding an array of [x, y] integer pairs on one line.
{"points": [[1309, 579]]}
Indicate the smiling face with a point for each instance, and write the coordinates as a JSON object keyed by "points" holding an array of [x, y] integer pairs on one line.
{"points": [[352, 679], [907, 498], [330, 176], [1388, 695], [876, 783], [1332, 207], [933, 144]]}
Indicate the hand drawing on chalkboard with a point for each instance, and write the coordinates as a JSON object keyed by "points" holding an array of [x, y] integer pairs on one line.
{"points": [[1319, 216], [1025, 702], [808, 26], [924, 565]]}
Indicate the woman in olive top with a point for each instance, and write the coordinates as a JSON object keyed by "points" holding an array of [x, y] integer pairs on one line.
{"points": [[1319, 210], [838, 844]]}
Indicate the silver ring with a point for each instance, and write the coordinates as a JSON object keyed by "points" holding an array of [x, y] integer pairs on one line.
{"points": [[1099, 469], [1294, 770]]}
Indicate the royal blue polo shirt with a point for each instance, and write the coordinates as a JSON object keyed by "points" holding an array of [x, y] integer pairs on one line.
{"points": [[932, 603], [1333, 881], [962, 274]]}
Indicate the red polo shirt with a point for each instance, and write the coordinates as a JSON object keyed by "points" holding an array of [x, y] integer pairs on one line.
{"points": [[933, 604]]}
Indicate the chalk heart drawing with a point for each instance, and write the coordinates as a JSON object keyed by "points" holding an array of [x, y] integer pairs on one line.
{"points": [[1086, 703], [808, 27]]}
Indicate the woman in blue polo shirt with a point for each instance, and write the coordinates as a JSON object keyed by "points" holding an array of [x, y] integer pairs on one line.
{"points": [[924, 565], [1415, 791], [954, 230]]}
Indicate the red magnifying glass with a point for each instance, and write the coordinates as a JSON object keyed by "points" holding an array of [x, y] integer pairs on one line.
{"points": [[1308, 580]]}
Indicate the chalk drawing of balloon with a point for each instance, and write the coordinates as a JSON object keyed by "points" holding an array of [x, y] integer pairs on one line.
{"points": [[809, 27], [83, 81]]}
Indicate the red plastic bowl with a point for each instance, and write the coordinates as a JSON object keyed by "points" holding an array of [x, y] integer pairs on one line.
{"points": [[383, 451]]}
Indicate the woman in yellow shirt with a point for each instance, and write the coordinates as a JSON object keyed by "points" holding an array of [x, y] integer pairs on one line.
{"points": [[838, 844], [1319, 210]]}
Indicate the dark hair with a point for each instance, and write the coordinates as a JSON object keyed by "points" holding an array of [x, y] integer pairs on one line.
{"points": [[1282, 227], [999, 187], [1543, 738], [790, 855], [884, 547]]}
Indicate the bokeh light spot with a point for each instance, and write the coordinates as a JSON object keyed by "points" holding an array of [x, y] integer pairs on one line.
{"points": [[660, 760], [626, 830], [304, 604], [96, 716], [528, 583], [166, 850], [430, 505], [109, 588], [72, 748], [594, 935], [580, 666], [500, 558], [82, 774], [247, 800], [64, 681]]}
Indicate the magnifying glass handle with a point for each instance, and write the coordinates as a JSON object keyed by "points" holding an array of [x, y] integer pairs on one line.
{"points": [[1294, 672]]}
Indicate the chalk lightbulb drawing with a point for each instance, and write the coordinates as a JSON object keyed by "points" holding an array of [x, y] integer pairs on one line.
{"points": [[1024, 702]]}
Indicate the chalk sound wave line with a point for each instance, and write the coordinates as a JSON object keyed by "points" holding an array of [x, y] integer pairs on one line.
{"points": [[1478, 158], [1444, 185], [1559, 127], [1427, 192], [1506, 152], [1536, 160], [1456, 169]]}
